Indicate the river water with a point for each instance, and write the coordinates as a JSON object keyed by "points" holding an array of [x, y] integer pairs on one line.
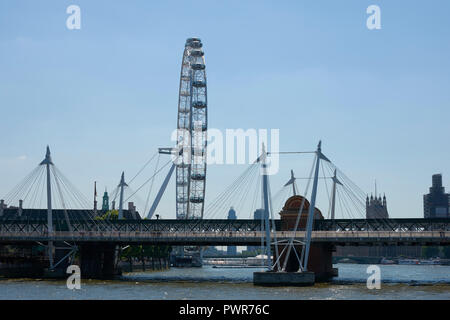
{"points": [[397, 282]]}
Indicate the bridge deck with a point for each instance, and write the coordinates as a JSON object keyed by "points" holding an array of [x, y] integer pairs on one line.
{"points": [[414, 224], [230, 232], [234, 238]]}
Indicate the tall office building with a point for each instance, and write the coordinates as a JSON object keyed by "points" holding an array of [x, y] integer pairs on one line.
{"points": [[232, 250], [436, 203]]}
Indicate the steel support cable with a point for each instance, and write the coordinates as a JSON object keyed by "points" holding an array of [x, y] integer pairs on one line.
{"points": [[210, 208], [358, 205], [255, 197], [256, 190], [280, 197], [340, 202], [348, 201], [349, 187], [230, 193], [277, 256], [40, 195], [17, 188], [354, 186], [35, 192], [230, 188], [330, 172], [326, 187], [66, 216], [63, 188], [22, 184], [114, 194], [31, 185], [55, 192], [151, 185], [134, 196], [352, 194], [79, 199], [348, 195], [379, 220], [71, 188], [291, 240], [241, 196], [341, 205], [247, 186], [344, 196], [143, 167], [148, 180], [248, 205], [220, 199], [280, 191], [339, 192], [73, 197], [281, 200], [353, 207], [346, 206]]}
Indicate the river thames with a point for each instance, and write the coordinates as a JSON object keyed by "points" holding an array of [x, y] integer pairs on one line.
{"points": [[397, 282]]}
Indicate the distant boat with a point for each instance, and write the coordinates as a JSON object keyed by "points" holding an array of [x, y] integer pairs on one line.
{"points": [[387, 261], [408, 261], [259, 260], [436, 261]]}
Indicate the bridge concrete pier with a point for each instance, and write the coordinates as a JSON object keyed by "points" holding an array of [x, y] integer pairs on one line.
{"points": [[99, 261], [320, 260], [284, 278]]}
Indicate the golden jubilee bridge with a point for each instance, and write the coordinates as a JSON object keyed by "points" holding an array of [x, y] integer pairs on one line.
{"points": [[95, 241], [46, 214], [224, 232]]}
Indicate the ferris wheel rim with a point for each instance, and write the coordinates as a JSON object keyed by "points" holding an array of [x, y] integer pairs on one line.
{"points": [[192, 112]]}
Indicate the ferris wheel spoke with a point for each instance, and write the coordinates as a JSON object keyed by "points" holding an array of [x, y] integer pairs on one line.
{"points": [[191, 125]]}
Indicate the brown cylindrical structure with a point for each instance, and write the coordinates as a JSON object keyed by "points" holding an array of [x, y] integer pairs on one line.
{"points": [[320, 254]]}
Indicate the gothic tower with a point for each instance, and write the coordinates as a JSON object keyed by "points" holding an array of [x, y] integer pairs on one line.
{"points": [[105, 204]]}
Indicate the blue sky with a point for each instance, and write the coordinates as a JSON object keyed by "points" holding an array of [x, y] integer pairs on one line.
{"points": [[105, 97]]}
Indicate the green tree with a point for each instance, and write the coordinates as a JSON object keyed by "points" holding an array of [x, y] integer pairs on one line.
{"points": [[429, 252], [109, 215], [446, 252]]}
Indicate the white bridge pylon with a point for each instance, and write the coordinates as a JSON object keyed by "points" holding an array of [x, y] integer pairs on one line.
{"points": [[164, 184], [306, 243]]}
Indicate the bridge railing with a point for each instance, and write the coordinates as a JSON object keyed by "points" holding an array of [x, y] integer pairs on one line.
{"points": [[199, 236]]}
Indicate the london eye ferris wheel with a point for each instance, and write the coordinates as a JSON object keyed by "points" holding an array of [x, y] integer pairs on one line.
{"points": [[192, 127]]}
